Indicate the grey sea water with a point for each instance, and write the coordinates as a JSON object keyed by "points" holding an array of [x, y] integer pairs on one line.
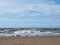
{"points": [[43, 31]]}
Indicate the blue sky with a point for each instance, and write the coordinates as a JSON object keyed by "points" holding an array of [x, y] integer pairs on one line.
{"points": [[29, 13]]}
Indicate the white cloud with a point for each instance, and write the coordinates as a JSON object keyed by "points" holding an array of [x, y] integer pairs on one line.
{"points": [[19, 8], [33, 8], [29, 7]]}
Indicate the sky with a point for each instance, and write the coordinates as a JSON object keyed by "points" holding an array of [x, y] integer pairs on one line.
{"points": [[29, 13]]}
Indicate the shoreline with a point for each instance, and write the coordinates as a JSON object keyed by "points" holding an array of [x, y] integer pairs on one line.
{"points": [[43, 40]]}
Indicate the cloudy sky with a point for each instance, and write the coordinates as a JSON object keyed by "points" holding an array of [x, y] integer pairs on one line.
{"points": [[29, 13]]}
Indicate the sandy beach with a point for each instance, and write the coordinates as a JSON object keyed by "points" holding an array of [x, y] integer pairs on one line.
{"points": [[29, 40]]}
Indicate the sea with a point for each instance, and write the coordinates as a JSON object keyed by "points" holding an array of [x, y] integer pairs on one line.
{"points": [[5, 32]]}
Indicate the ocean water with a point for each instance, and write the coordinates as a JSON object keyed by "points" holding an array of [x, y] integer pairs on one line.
{"points": [[43, 32]]}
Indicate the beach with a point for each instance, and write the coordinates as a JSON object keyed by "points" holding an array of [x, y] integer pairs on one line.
{"points": [[30, 40]]}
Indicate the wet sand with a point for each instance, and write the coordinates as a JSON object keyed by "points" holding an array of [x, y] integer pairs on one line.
{"points": [[29, 40]]}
